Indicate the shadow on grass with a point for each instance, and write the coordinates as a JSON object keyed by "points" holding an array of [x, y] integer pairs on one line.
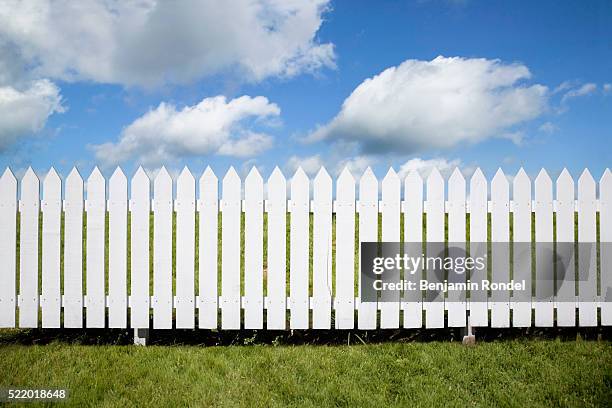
{"points": [[197, 337]]}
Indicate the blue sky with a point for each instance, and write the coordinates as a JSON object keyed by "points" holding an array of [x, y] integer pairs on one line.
{"points": [[408, 84]]}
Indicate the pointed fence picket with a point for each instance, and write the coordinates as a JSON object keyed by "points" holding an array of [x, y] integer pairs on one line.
{"points": [[368, 232], [389, 300], [73, 250], [8, 248], [139, 238], [29, 206], [230, 251], [455, 300], [345, 252], [479, 309], [434, 306], [413, 238], [253, 251], [117, 250], [185, 250], [322, 251], [544, 256], [500, 249], [521, 263], [51, 207], [259, 287], [208, 212]]}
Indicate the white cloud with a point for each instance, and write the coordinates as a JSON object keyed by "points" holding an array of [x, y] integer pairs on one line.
{"points": [[424, 166], [583, 90], [607, 88], [548, 127], [24, 112], [213, 126], [436, 104], [152, 42], [310, 164]]}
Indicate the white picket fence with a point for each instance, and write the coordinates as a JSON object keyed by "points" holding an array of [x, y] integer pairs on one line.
{"points": [[104, 297]]}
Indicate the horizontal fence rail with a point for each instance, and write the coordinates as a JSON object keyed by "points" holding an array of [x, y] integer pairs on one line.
{"points": [[284, 254]]}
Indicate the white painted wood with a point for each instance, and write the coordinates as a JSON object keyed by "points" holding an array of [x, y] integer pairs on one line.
{"points": [[455, 302], [544, 282], [208, 250], [390, 300], [479, 309], [434, 306], [117, 250], [276, 315], [162, 250], [345, 251], [253, 250], [139, 238], [605, 238], [8, 248], [298, 247], [51, 213], [96, 213], [413, 238], [521, 220], [368, 232], [230, 251], [185, 250], [500, 249], [73, 251], [28, 250], [322, 251], [587, 256], [565, 273]]}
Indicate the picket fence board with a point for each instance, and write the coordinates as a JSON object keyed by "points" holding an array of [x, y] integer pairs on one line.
{"points": [[185, 250], [276, 317], [230, 251], [434, 307], [322, 251], [544, 291], [368, 232], [208, 250], [267, 206], [8, 248], [253, 250], [73, 250], [345, 252], [455, 300], [390, 300], [587, 251], [413, 237], [139, 238], [521, 265], [96, 213], [565, 272], [51, 216], [479, 309], [162, 250], [605, 238], [28, 250], [500, 250], [117, 249], [298, 247]]}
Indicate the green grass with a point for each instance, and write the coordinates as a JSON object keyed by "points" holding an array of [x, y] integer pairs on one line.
{"points": [[517, 373]]}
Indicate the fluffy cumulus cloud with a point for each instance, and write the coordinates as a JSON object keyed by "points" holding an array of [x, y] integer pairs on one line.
{"points": [[24, 111], [213, 126], [584, 90], [420, 105], [150, 42], [425, 166]]}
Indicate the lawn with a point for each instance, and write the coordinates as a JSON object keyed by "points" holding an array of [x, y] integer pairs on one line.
{"points": [[353, 371]]}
